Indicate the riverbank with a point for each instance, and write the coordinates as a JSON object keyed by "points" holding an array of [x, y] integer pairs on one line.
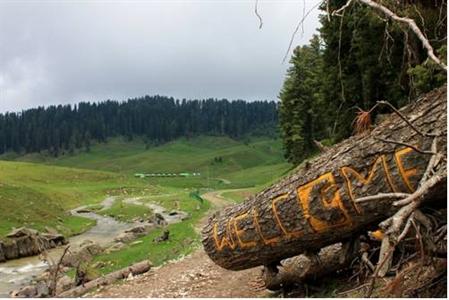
{"points": [[107, 230], [194, 275]]}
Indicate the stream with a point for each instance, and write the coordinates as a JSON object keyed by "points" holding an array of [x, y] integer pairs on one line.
{"points": [[19, 272]]}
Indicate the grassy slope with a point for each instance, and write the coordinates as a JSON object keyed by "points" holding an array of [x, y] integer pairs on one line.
{"points": [[44, 191], [36, 195], [183, 237], [242, 165]]}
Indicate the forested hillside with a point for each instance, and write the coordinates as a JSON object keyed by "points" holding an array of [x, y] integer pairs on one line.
{"points": [[358, 58], [157, 119]]}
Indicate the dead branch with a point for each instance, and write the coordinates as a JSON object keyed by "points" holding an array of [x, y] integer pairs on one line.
{"points": [[297, 29], [383, 102], [54, 280], [412, 25], [405, 144], [320, 146], [257, 14], [432, 163], [339, 12], [394, 223], [382, 196]]}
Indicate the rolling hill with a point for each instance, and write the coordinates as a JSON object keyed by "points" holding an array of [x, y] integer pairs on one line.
{"points": [[222, 162], [36, 190]]}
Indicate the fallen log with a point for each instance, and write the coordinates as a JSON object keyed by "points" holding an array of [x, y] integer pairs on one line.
{"points": [[138, 268], [318, 204], [301, 268]]}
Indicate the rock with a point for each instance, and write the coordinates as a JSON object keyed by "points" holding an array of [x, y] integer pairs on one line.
{"points": [[23, 242], [137, 229], [130, 276], [84, 254], [56, 238], [51, 230], [116, 247], [164, 237], [83, 211], [159, 219], [180, 215], [134, 233], [125, 237], [28, 291], [2, 253], [64, 283], [136, 243], [22, 231], [26, 246], [10, 249], [42, 290]]}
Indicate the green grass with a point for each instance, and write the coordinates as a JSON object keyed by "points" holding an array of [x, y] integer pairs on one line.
{"points": [[126, 212], [240, 195], [183, 238], [37, 190], [242, 165], [37, 195]]}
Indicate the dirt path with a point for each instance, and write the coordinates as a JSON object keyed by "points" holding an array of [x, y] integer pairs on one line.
{"points": [[194, 276]]}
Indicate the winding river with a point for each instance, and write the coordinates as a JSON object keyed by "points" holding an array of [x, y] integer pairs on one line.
{"points": [[19, 272]]}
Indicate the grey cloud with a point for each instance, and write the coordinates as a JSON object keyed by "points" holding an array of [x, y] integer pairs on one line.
{"points": [[66, 52]]}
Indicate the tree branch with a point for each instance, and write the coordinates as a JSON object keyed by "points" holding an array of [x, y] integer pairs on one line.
{"points": [[257, 14], [411, 24]]}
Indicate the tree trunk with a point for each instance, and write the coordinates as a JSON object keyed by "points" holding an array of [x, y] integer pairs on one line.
{"points": [[315, 206], [138, 268], [301, 268]]}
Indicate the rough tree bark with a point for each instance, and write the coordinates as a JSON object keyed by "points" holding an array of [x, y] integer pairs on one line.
{"points": [[137, 268], [317, 204]]}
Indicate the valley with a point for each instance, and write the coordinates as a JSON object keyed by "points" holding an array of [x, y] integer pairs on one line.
{"points": [[43, 192]]}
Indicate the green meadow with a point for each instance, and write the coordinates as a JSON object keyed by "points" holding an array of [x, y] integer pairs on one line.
{"points": [[38, 190]]}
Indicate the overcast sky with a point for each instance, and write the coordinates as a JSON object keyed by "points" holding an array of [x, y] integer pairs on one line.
{"points": [[53, 52]]}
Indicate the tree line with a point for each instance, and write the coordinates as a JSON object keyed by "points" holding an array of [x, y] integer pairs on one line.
{"points": [[157, 119], [357, 59]]}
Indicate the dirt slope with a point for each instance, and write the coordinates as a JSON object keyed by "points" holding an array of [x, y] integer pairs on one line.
{"points": [[194, 276]]}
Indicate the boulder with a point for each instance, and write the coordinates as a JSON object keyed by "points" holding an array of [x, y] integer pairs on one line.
{"points": [[23, 242], [28, 291], [56, 238], [42, 290], [137, 229], [159, 219], [134, 233], [178, 215], [84, 254], [10, 249], [22, 231], [65, 283], [163, 237], [125, 237], [2, 253], [27, 246], [141, 229]]}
